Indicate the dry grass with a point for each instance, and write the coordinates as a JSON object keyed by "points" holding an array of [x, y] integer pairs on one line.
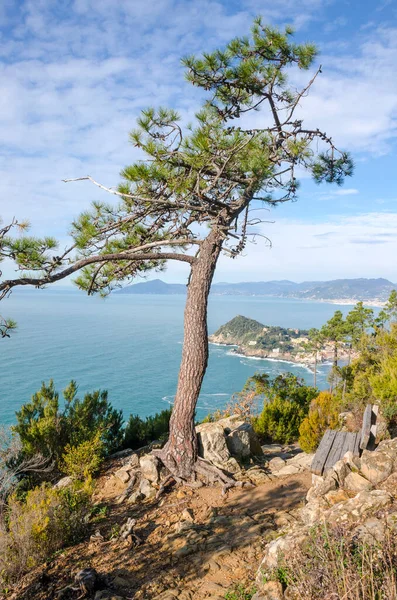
{"points": [[335, 565]]}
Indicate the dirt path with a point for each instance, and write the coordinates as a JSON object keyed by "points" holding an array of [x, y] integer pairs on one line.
{"points": [[195, 543]]}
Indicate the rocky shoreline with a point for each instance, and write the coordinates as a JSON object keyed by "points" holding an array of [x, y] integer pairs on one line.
{"points": [[302, 358]]}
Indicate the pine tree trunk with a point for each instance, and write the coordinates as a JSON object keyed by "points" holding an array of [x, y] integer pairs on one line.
{"points": [[180, 453]]}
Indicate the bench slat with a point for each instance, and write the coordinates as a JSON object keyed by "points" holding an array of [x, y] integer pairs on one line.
{"points": [[337, 451], [323, 451], [366, 428]]}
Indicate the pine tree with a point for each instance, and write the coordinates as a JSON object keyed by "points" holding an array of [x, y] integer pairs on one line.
{"points": [[191, 198]]}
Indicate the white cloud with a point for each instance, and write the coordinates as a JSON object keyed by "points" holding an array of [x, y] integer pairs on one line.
{"points": [[346, 192], [71, 86]]}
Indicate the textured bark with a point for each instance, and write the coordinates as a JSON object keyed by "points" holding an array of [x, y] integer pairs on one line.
{"points": [[180, 453]]}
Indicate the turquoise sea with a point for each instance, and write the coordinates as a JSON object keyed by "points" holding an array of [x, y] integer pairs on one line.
{"points": [[131, 346]]}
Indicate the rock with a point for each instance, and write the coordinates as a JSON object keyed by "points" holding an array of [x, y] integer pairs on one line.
{"points": [[376, 466], [314, 511], [302, 460], [283, 546], [287, 470], [107, 595], [271, 590], [336, 496], [123, 475], [371, 531], [132, 461], [356, 508], [146, 489], [135, 497], [212, 443], [238, 442], [341, 470], [149, 466], [187, 515], [63, 483], [87, 579], [390, 484], [276, 463], [356, 483], [322, 486]]}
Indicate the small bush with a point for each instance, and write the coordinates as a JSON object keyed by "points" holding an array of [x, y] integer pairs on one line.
{"points": [[240, 592], [323, 414], [140, 432], [286, 403], [83, 460], [34, 528], [44, 429], [279, 421]]}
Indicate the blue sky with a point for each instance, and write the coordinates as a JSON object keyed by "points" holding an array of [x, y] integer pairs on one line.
{"points": [[75, 74]]}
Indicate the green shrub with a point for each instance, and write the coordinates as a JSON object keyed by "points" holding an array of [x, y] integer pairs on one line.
{"points": [[83, 460], [45, 429], [279, 421], [45, 521], [286, 403], [140, 432], [323, 414]]}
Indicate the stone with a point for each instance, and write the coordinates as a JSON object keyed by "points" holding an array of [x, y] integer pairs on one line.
{"points": [[238, 442], [271, 590], [314, 510], [322, 485], [187, 515], [146, 489], [107, 595], [390, 484], [135, 497], [86, 579], [276, 463], [132, 461], [283, 546], [356, 483], [63, 483], [356, 508], [287, 470], [376, 466], [212, 443], [302, 460], [149, 466], [341, 470], [123, 475], [336, 496], [371, 531]]}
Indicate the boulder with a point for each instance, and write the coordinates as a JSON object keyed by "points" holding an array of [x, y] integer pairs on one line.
{"points": [[238, 442], [149, 466], [288, 470], [146, 489], [123, 475], [357, 508], [356, 483], [212, 443], [276, 463], [376, 466], [284, 546], [371, 531], [390, 484]]}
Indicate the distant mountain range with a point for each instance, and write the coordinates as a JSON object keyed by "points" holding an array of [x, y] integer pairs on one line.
{"points": [[374, 290]]}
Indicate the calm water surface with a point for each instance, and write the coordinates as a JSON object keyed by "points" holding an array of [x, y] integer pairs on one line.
{"points": [[131, 346]]}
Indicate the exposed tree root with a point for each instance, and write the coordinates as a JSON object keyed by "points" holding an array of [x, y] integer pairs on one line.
{"points": [[205, 469]]}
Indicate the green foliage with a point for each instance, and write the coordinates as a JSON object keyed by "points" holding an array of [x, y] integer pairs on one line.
{"points": [[44, 428], [286, 404], [240, 592], [140, 432], [45, 521], [323, 414], [83, 460]]}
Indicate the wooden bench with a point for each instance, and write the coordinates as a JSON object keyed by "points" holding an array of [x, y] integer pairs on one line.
{"points": [[335, 444]]}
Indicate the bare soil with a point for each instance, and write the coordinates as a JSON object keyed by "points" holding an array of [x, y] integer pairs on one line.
{"points": [[196, 554]]}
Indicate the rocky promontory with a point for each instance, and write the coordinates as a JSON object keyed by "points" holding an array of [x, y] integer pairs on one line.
{"points": [[253, 339]]}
